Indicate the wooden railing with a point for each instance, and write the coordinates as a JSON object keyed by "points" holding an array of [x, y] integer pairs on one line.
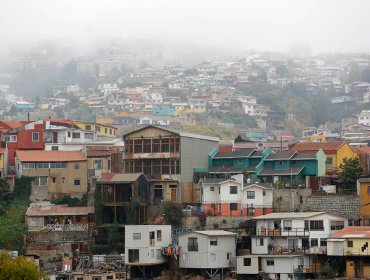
{"points": [[67, 227]]}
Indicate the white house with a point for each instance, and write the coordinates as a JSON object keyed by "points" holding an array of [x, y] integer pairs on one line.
{"points": [[258, 198], [364, 118], [207, 250], [282, 242], [143, 244]]}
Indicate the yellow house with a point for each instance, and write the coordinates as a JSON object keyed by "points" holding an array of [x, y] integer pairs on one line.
{"points": [[102, 130], [364, 192], [352, 243], [2, 160], [335, 152], [55, 173]]}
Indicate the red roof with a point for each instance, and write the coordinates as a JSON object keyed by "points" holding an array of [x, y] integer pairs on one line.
{"points": [[58, 210], [353, 232], [50, 156], [328, 147], [8, 125], [363, 150]]}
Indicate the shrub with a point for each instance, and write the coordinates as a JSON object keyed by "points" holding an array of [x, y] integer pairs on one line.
{"points": [[172, 213]]}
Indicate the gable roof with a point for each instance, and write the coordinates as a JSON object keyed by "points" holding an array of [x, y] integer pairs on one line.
{"points": [[49, 156], [240, 153], [213, 181], [303, 156], [258, 185], [328, 147], [281, 155], [176, 131]]}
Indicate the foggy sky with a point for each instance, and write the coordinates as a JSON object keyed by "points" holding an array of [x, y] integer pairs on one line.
{"points": [[274, 25]]}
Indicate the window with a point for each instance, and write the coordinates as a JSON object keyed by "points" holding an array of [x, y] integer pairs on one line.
{"points": [[233, 189], [247, 261], [63, 180], [97, 128], [54, 148], [151, 238], [159, 253], [349, 243], [158, 191], [152, 253], [40, 181], [213, 242], [228, 256], [133, 255], [77, 166], [279, 163], [98, 164], [159, 235], [329, 160], [76, 135], [212, 257], [185, 257], [69, 134], [260, 242], [287, 224], [323, 242], [96, 278], [193, 244], [264, 193], [233, 206], [136, 236], [35, 137], [58, 165], [54, 179], [89, 136], [88, 127], [270, 262], [110, 131], [314, 242], [147, 146], [336, 225], [10, 138], [109, 277], [251, 194], [28, 165], [77, 182], [212, 189], [106, 130], [317, 225]]}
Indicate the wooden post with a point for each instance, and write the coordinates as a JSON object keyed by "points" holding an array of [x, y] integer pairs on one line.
{"points": [[114, 202]]}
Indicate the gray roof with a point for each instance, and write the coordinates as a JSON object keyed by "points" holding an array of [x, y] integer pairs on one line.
{"points": [[262, 185], [215, 180], [179, 132], [240, 153], [295, 170], [215, 232], [256, 154], [303, 156], [281, 155], [288, 215]]}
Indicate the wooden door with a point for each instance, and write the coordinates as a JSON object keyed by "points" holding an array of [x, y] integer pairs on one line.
{"points": [[174, 195], [55, 137]]}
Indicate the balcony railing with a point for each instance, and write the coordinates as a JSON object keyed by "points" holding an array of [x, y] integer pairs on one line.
{"points": [[281, 232], [356, 252], [290, 250], [312, 268], [67, 227]]}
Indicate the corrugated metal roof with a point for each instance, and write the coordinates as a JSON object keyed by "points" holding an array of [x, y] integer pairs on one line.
{"points": [[118, 178], [288, 215], [281, 155], [241, 153], [332, 146], [353, 232], [215, 232], [57, 210]]}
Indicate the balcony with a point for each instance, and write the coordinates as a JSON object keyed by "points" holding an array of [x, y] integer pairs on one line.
{"points": [[356, 252], [278, 232], [280, 250]]}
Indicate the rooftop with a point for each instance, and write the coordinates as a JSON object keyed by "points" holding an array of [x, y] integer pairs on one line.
{"points": [[281, 155], [311, 147], [215, 232], [57, 210], [353, 232], [118, 178], [240, 153], [295, 170], [288, 215], [50, 156]]}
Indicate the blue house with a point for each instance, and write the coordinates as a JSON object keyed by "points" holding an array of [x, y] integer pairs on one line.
{"points": [[163, 110]]}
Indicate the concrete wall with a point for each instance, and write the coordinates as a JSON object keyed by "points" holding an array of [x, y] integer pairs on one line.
{"points": [[216, 222], [286, 200]]}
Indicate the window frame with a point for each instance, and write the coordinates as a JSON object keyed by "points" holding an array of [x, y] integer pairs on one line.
{"points": [[79, 182], [251, 195], [233, 189], [38, 136]]}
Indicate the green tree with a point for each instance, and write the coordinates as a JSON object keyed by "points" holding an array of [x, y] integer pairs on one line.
{"points": [[18, 268], [172, 213], [349, 171], [5, 192]]}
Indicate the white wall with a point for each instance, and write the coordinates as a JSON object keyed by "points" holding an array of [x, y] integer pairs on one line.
{"points": [[210, 196], [251, 269], [225, 195], [147, 254], [260, 199], [202, 258]]}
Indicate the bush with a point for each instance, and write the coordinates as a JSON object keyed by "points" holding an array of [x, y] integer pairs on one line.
{"points": [[72, 202], [22, 188]]}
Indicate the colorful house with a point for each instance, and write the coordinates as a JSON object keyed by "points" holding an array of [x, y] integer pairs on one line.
{"points": [[102, 130], [55, 173], [364, 193], [352, 244], [335, 153], [291, 167], [163, 110]]}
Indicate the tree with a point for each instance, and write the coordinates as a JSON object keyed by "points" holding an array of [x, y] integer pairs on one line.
{"points": [[172, 213], [349, 171], [18, 268], [5, 192]]}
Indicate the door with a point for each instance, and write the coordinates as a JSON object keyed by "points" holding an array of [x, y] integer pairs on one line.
{"points": [[292, 245], [173, 195], [55, 137]]}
